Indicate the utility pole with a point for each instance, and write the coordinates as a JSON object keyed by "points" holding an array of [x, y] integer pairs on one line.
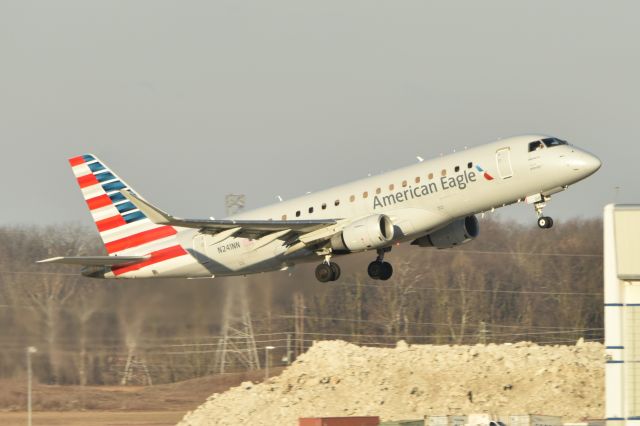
{"points": [[482, 333], [288, 356], [135, 369], [267, 349], [298, 312], [30, 350], [238, 341], [234, 203]]}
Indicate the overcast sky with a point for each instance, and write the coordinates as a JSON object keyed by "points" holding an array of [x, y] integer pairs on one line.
{"points": [[191, 100]]}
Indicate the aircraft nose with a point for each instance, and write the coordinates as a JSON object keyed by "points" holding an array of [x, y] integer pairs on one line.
{"points": [[584, 162]]}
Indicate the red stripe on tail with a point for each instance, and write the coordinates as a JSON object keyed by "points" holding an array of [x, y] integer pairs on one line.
{"points": [[75, 161], [87, 180], [139, 239], [110, 223], [156, 257], [97, 202]]}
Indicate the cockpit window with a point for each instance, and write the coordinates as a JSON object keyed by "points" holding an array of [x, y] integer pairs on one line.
{"points": [[534, 146], [553, 142]]}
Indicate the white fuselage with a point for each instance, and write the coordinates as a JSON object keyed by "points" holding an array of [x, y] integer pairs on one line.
{"points": [[418, 199]]}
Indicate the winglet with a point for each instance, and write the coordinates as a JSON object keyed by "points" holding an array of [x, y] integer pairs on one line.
{"points": [[154, 214]]}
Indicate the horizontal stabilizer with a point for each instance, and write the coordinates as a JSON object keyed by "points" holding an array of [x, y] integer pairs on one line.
{"points": [[95, 260]]}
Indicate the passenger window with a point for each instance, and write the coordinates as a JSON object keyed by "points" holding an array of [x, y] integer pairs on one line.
{"points": [[336, 203], [324, 206], [417, 179], [284, 217], [430, 176], [469, 165], [352, 198], [298, 213], [310, 209], [443, 172], [457, 169], [378, 190], [404, 183], [391, 187], [534, 146], [365, 194]]}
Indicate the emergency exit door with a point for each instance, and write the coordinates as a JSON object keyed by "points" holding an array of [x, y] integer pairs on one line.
{"points": [[503, 160]]}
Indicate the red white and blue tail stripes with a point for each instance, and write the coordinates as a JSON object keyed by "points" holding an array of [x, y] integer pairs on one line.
{"points": [[124, 229]]}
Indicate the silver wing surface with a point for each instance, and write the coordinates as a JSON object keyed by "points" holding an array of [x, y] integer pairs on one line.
{"points": [[95, 260], [253, 229]]}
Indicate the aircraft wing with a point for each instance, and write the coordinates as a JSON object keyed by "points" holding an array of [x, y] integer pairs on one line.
{"points": [[95, 260], [244, 228]]}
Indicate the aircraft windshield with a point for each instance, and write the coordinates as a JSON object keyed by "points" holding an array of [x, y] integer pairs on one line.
{"points": [[550, 142], [534, 146]]}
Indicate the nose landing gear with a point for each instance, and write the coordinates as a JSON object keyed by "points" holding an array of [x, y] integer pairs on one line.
{"points": [[378, 269], [544, 222]]}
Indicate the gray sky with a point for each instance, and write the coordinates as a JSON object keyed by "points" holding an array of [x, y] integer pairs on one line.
{"points": [[190, 100]]}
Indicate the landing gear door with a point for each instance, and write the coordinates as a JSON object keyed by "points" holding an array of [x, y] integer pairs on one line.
{"points": [[503, 160]]}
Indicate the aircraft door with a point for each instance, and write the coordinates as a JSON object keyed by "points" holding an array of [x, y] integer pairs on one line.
{"points": [[503, 160]]}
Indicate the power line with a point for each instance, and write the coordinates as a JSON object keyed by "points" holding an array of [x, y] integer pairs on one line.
{"points": [[471, 290], [518, 253]]}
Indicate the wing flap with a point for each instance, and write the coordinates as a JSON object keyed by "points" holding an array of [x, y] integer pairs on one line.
{"points": [[95, 260]]}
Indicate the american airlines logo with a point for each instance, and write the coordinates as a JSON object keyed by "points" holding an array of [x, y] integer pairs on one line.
{"points": [[460, 181], [485, 174]]}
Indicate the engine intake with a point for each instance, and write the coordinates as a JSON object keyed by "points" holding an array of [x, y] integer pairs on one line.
{"points": [[364, 234], [460, 231]]}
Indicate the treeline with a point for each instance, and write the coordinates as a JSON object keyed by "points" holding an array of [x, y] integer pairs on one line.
{"points": [[513, 283]]}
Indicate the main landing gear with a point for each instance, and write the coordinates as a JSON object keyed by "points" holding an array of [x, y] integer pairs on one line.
{"points": [[378, 269], [544, 222], [327, 271]]}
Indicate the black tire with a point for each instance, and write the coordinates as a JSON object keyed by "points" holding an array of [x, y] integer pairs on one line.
{"points": [[543, 222], [335, 271], [549, 222], [386, 271], [374, 270], [324, 273]]}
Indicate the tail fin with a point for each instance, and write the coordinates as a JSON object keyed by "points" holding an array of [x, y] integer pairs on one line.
{"points": [[124, 229]]}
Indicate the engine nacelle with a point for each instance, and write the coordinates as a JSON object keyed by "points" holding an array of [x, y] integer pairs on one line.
{"points": [[364, 234], [457, 232]]}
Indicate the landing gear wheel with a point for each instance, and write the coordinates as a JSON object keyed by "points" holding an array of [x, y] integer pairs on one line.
{"points": [[545, 222], [380, 270], [335, 271], [374, 270], [386, 271], [324, 273]]}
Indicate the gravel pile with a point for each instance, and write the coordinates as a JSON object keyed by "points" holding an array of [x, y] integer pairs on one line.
{"points": [[335, 378]]}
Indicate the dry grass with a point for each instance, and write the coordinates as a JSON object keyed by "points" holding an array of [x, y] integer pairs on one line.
{"points": [[173, 397], [92, 418]]}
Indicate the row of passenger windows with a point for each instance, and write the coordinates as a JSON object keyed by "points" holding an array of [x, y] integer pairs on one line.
{"points": [[378, 190]]}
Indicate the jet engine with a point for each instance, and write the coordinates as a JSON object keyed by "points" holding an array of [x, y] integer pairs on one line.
{"points": [[458, 232], [368, 233]]}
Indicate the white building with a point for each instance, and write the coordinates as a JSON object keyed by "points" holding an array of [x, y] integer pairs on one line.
{"points": [[622, 313]]}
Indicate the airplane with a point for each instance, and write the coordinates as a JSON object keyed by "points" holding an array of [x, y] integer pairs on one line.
{"points": [[431, 204]]}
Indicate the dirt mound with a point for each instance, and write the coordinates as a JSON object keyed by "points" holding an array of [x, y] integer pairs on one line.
{"points": [[335, 378]]}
